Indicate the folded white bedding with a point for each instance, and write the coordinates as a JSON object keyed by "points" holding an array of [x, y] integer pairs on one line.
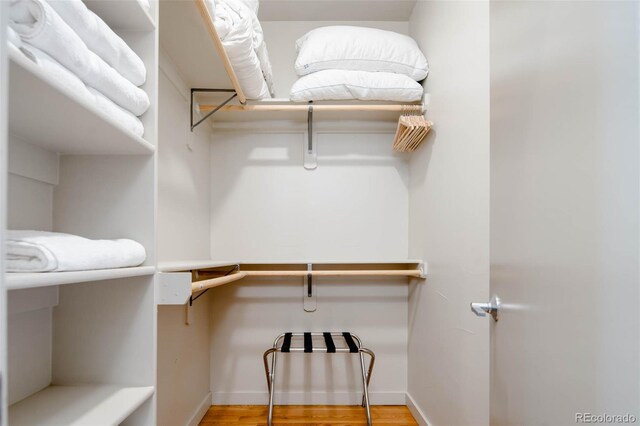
{"points": [[338, 85], [39, 25], [40, 251], [72, 85], [101, 39], [118, 114], [242, 37]]}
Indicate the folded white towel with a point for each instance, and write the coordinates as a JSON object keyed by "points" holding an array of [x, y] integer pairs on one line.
{"points": [[101, 39], [60, 77], [40, 251], [39, 25], [118, 114], [74, 87]]}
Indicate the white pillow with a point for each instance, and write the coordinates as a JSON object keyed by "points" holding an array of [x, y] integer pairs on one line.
{"points": [[338, 85], [359, 48]]}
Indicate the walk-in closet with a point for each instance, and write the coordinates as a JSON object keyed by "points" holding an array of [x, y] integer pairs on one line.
{"points": [[268, 212]]}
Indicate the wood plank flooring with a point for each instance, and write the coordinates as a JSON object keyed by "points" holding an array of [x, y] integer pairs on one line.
{"points": [[306, 415]]}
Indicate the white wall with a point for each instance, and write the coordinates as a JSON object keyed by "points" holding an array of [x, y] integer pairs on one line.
{"points": [[183, 173], [266, 206], [564, 210], [183, 233], [449, 217]]}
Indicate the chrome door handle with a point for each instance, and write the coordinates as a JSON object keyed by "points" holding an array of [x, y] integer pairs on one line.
{"points": [[492, 308]]}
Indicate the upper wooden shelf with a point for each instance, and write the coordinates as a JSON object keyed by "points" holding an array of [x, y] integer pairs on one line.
{"points": [[185, 38]]}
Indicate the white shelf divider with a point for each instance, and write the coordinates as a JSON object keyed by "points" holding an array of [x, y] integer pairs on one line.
{"points": [[126, 15], [95, 405], [42, 112], [16, 281]]}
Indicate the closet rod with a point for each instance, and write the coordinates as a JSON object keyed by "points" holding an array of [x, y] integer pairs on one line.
{"points": [[197, 286], [305, 108], [338, 273], [215, 282], [211, 29]]}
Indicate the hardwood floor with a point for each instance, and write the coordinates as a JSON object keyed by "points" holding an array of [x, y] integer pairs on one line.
{"points": [[306, 415]]}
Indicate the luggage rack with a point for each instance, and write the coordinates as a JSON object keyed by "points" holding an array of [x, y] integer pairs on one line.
{"points": [[290, 343]]}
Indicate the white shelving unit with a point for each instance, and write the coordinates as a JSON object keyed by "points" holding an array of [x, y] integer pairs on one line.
{"points": [[16, 281], [3, 213], [129, 15], [81, 345], [79, 405], [44, 113]]}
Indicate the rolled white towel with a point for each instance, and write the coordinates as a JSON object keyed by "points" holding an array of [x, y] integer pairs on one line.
{"points": [[39, 25], [101, 39], [64, 79], [71, 84], [40, 251]]}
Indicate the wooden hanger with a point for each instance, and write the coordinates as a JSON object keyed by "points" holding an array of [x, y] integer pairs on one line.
{"points": [[411, 131]]}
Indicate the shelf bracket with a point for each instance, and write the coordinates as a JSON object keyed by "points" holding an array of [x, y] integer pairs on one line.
{"points": [[310, 153], [209, 114], [309, 302]]}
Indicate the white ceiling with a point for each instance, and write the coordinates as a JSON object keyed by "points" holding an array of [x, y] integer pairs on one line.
{"points": [[335, 10]]}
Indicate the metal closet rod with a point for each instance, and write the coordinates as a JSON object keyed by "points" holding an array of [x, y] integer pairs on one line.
{"points": [[215, 282], [325, 107]]}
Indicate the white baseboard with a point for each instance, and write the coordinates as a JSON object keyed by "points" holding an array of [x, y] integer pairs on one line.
{"points": [[307, 398], [200, 411], [416, 412]]}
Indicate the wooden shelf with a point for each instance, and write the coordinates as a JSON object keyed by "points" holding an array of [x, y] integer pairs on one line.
{"points": [[79, 405], [177, 285], [124, 15], [185, 38], [16, 281], [189, 265], [43, 113]]}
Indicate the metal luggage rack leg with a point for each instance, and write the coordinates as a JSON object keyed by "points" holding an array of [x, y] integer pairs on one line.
{"points": [[282, 344]]}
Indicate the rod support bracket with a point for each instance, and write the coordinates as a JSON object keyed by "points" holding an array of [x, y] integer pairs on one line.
{"points": [[309, 302], [192, 104], [310, 152]]}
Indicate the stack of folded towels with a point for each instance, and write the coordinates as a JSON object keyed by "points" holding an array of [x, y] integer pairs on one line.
{"points": [[40, 251], [346, 63], [82, 55]]}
